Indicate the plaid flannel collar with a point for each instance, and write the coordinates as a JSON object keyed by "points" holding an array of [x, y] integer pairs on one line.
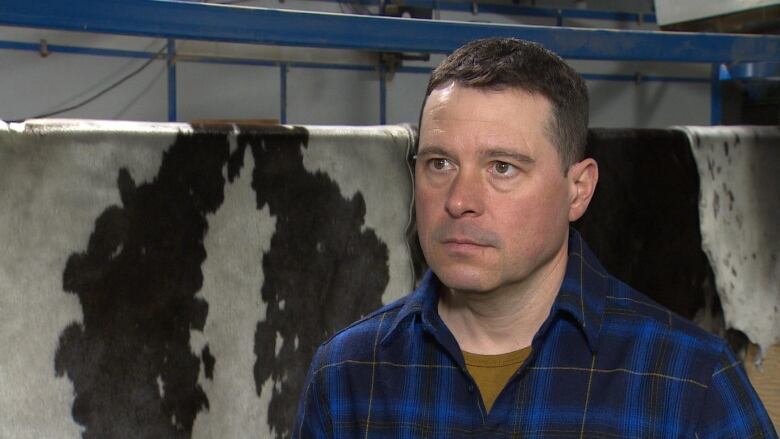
{"points": [[582, 296]]}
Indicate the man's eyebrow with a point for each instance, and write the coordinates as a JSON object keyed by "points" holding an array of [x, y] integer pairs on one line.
{"points": [[499, 153], [431, 150], [492, 153]]}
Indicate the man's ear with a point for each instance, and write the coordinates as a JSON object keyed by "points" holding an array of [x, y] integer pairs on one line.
{"points": [[582, 177]]}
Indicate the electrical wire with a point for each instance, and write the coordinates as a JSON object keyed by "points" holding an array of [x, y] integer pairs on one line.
{"points": [[105, 90]]}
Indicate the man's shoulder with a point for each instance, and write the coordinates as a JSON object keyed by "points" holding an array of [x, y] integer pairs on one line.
{"points": [[625, 304], [359, 339]]}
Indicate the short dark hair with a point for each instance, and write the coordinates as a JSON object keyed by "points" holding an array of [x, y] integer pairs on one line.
{"points": [[499, 63]]}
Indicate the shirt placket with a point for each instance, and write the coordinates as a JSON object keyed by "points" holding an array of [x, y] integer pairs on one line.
{"points": [[446, 341]]}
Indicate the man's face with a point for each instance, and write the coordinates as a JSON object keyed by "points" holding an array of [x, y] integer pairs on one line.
{"points": [[491, 198]]}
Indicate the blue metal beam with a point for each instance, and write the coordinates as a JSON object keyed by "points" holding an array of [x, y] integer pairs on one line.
{"points": [[34, 47], [200, 21], [528, 11], [74, 50]]}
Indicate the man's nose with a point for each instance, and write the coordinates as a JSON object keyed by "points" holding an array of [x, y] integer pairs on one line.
{"points": [[465, 196]]}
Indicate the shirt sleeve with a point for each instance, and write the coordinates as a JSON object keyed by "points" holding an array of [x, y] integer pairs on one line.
{"points": [[731, 407], [309, 421]]}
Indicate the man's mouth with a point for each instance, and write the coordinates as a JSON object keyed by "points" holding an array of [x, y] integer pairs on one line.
{"points": [[464, 245], [464, 241], [464, 237]]}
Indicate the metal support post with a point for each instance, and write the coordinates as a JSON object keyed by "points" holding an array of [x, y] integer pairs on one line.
{"points": [[283, 93], [716, 98], [171, 66], [382, 95]]}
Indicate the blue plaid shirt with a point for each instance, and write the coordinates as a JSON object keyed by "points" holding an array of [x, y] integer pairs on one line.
{"points": [[607, 363]]}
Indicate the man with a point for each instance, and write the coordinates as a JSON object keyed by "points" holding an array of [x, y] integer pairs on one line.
{"points": [[517, 330]]}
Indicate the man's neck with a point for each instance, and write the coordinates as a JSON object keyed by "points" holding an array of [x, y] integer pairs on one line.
{"points": [[507, 318]]}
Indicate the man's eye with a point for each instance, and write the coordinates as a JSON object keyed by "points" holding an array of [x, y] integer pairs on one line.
{"points": [[440, 164], [503, 169]]}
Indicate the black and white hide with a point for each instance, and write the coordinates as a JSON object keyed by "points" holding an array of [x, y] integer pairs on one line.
{"points": [[739, 169], [170, 281], [690, 215]]}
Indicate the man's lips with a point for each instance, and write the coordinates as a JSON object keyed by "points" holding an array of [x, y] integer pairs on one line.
{"points": [[464, 237], [464, 242], [464, 246]]}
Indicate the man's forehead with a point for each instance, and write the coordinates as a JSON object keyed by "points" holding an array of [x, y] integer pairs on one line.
{"points": [[473, 105], [494, 137], [456, 90], [481, 146]]}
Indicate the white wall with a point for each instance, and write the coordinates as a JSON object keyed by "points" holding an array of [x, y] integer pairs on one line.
{"points": [[31, 84], [219, 91]]}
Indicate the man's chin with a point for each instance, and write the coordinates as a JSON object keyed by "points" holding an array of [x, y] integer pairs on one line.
{"points": [[466, 280]]}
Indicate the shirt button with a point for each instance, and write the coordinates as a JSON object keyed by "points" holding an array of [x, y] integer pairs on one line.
{"points": [[471, 388]]}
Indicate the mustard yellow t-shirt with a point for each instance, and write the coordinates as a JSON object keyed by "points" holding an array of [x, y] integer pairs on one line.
{"points": [[492, 372]]}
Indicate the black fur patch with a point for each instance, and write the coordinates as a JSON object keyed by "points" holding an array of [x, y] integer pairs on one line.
{"points": [[130, 360], [643, 222], [322, 265]]}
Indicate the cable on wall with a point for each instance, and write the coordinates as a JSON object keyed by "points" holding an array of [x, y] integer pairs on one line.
{"points": [[107, 89]]}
